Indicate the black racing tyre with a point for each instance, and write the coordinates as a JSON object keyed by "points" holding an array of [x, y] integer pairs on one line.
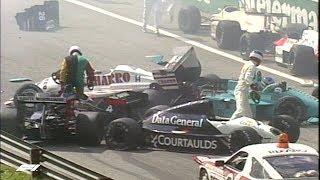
{"points": [[157, 97], [242, 137], [295, 30], [315, 92], [228, 34], [291, 106], [155, 109], [203, 175], [123, 134], [27, 90], [250, 42], [189, 19], [302, 60], [90, 127], [287, 125]]}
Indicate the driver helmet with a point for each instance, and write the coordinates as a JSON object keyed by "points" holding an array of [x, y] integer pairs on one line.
{"points": [[267, 81], [74, 49]]}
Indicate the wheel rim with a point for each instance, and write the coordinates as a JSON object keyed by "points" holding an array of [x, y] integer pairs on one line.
{"points": [[204, 175], [30, 92], [117, 136]]}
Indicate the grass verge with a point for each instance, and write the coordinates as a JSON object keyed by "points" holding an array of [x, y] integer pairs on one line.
{"points": [[9, 173]]}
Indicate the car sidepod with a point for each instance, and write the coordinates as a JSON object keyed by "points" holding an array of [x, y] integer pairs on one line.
{"points": [[184, 133]]}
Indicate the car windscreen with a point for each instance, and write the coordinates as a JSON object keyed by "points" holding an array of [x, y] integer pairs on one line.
{"points": [[294, 166]]}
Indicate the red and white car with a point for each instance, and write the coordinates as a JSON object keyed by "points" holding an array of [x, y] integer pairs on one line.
{"points": [[300, 56], [262, 161]]}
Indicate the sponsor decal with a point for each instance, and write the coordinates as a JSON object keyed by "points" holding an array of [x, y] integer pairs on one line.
{"points": [[286, 151], [175, 120], [183, 142], [166, 81], [112, 78], [296, 13], [248, 122]]}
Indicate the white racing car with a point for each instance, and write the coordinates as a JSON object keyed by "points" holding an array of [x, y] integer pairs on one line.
{"points": [[300, 54], [281, 160], [183, 67]]}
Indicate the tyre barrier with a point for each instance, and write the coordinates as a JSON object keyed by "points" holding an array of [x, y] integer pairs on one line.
{"points": [[39, 17], [16, 152]]}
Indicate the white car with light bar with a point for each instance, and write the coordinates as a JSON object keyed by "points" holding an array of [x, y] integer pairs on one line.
{"points": [[280, 160]]}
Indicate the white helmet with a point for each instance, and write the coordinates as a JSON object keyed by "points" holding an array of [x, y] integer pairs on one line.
{"points": [[256, 54], [73, 49]]}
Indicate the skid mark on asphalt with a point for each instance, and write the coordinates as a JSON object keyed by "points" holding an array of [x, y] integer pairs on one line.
{"points": [[301, 81]]}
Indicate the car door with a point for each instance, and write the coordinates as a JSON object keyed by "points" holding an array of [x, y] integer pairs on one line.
{"points": [[233, 168]]}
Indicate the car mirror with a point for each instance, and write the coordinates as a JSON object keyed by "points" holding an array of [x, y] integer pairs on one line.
{"points": [[219, 163], [219, 9]]}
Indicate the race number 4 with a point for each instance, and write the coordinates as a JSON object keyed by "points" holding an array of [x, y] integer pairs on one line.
{"points": [[109, 109], [42, 15]]}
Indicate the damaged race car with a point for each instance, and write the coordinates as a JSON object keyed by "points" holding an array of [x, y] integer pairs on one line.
{"points": [[172, 84], [270, 100], [280, 160], [194, 126], [44, 117]]}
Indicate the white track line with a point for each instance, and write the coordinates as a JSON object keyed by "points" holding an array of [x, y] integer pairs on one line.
{"points": [[303, 82]]}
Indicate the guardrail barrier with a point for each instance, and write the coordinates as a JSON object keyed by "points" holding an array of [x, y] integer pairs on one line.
{"points": [[16, 152]]}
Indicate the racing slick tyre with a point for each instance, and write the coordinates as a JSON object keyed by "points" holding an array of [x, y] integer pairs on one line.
{"points": [[228, 34], [291, 106], [287, 125], [250, 42], [90, 128], [242, 137], [123, 134], [315, 92], [189, 19], [27, 90], [154, 110], [203, 175], [303, 60], [295, 30]]}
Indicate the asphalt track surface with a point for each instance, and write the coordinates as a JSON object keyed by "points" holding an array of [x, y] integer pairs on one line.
{"points": [[108, 42]]}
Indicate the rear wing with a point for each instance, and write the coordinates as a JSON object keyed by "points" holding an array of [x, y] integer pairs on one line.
{"points": [[184, 66]]}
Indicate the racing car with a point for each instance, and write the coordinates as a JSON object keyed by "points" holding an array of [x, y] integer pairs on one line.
{"points": [[194, 126], [172, 84], [270, 100], [239, 27], [281, 160], [300, 54], [45, 117]]}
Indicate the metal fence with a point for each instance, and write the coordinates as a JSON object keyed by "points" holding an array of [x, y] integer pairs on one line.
{"points": [[16, 152]]}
